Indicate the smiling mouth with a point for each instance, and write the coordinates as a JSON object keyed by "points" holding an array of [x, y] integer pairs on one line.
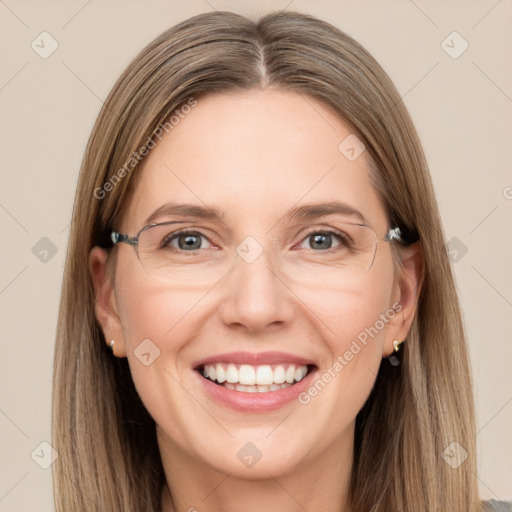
{"points": [[254, 379]]}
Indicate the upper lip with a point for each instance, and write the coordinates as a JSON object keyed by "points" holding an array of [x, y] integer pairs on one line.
{"points": [[254, 359]]}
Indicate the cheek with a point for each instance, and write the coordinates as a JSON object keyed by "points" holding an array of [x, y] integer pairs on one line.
{"points": [[157, 323], [149, 309], [359, 312], [353, 322]]}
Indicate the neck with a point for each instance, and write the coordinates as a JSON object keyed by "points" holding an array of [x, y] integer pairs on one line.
{"points": [[316, 484]]}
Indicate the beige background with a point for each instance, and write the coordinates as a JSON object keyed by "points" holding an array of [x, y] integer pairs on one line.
{"points": [[462, 108]]}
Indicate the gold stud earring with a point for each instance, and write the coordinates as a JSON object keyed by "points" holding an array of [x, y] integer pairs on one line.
{"points": [[396, 345]]}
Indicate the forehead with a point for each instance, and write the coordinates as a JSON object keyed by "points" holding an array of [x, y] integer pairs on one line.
{"points": [[254, 156]]}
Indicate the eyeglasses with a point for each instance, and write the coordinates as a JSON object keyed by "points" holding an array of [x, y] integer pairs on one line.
{"points": [[194, 257]]}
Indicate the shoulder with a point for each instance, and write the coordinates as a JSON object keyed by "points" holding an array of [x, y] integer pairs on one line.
{"points": [[497, 506]]}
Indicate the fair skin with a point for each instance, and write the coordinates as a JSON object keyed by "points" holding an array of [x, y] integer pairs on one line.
{"points": [[254, 156]]}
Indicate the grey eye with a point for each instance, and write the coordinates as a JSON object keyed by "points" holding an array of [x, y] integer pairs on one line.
{"points": [[321, 241], [186, 241], [189, 242]]}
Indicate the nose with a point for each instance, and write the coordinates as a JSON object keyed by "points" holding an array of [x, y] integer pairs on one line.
{"points": [[255, 295]]}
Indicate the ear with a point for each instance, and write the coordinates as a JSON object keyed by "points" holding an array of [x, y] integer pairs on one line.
{"points": [[105, 304], [407, 292]]}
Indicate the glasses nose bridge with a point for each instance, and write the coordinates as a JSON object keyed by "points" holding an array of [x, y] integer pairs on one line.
{"points": [[259, 263], [250, 249]]}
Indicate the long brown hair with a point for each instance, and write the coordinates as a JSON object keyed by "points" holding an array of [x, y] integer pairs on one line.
{"points": [[108, 454]]}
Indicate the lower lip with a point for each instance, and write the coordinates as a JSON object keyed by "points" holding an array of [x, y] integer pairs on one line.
{"points": [[255, 402]]}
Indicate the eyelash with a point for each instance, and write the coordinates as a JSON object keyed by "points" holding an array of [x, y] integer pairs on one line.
{"points": [[343, 239]]}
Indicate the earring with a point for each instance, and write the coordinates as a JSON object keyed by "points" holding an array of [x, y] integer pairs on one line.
{"points": [[396, 345], [392, 359], [112, 346]]}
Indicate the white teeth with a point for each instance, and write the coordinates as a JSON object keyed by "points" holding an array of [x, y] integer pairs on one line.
{"points": [[300, 373], [212, 374], [255, 389], [231, 373], [264, 375], [252, 379], [246, 375], [279, 375], [290, 374], [221, 374]]}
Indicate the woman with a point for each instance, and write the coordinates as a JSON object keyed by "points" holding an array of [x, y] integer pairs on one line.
{"points": [[284, 332]]}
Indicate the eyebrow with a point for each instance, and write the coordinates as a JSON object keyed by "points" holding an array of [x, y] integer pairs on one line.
{"points": [[306, 212], [184, 210], [314, 211]]}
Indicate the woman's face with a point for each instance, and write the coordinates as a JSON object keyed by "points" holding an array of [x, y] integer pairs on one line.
{"points": [[254, 286]]}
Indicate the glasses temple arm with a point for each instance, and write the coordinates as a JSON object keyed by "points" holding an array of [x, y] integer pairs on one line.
{"points": [[394, 234], [121, 237]]}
